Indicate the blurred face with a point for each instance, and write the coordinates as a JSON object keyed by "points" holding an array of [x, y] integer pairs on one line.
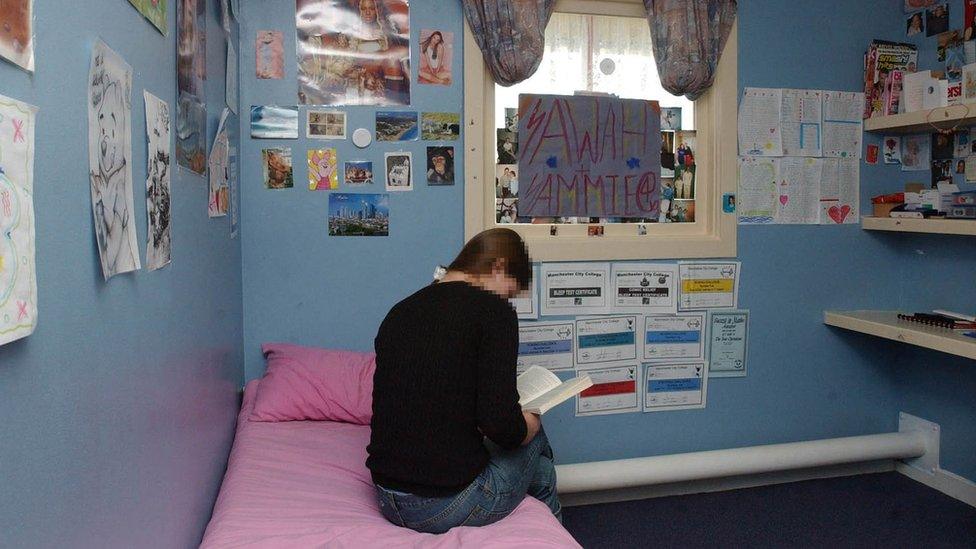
{"points": [[501, 283], [367, 11]]}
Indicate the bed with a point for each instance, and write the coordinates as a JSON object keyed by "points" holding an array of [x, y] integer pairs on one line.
{"points": [[305, 484]]}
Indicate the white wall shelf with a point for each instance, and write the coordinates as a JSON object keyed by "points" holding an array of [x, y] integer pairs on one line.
{"points": [[885, 324], [922, 121], [912, 225]]}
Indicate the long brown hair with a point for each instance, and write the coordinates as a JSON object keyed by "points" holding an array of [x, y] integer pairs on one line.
{"points": [[481, 253]]}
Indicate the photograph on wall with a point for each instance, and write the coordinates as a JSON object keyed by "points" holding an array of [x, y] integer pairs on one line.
{"points": [[158, 244], [511, 119], [506, 181], [684, 181], [359, 214], [353, 52], [358, 172], [507, 143], [269, 55], [916, 152], [18, 281], [268, 122], [323, 170], [436, 56], [17, 36], [912, 5], [110, 160], [399, 172], [440, 165], [506, 210], [191, 74], [276, 168], [680, 211], [326, 124], [667, 154], [671, 118], [937, 19], [685, 145], [218, 200], [154, 11], [396, 126], [914, 24], [441, 126]]}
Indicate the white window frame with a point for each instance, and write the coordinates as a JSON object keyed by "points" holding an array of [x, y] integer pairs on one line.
{"points": [[712, 235]]}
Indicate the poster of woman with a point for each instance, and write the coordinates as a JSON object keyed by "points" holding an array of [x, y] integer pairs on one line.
{"points": [[353, 52], [436, 54]]}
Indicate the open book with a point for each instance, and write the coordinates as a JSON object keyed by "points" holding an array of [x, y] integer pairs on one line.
{"points": [[540, 390]]}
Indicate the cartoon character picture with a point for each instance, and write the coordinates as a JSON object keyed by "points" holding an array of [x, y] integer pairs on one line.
{"points": [[323, 171], [110, 170]]}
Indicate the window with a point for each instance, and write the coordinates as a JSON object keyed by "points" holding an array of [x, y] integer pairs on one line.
{"points": [[604, 47]]}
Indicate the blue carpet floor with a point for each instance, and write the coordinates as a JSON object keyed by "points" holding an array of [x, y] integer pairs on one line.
{"points": [[884, 510]]}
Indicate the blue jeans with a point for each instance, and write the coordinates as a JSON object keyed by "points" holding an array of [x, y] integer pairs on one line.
{"points": [[491, 496]]}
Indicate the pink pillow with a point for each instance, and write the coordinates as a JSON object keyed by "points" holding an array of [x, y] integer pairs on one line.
{"points": [[307, 383]]}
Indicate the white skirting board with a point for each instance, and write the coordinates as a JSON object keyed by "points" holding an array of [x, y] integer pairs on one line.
{"points": [[916, 442], [948, 483], [723, 484]]}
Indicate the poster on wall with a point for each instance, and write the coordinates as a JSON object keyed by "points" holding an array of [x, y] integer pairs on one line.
{"points": [[18, 283], [323, 170], [17, 36], [158, 243], [359, 214], [218, 197], [436, 54], [191, 69], [353, 52], [110, 160], [154, 11], [269, 55], [575, 164]]}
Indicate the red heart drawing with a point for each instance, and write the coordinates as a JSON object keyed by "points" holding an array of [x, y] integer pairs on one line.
{"points": [[783, 199], [838, 213]]}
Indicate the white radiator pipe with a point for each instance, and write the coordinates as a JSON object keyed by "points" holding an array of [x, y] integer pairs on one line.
{"points": [[643, 471]]}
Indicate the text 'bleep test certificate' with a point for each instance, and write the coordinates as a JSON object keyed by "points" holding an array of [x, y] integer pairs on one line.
{"points": [[574, 288]]}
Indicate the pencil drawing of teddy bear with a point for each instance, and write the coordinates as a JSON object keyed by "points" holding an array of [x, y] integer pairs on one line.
{"points": [[109, 179]]}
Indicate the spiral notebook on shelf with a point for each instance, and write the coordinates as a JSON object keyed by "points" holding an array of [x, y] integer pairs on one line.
{"points": [[938, 321]]}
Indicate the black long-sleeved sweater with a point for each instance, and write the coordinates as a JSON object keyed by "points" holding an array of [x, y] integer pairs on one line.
{"points": [[445, 375]]}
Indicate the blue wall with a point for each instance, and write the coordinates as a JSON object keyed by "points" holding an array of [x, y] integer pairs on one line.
{"points": [[806, 380], [937, 271], [303, 285], [118, 412]]}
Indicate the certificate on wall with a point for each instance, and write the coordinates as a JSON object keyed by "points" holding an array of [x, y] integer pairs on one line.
{"points": [[708, 285], [728, 338], [574, 288], [614, 391], [644, 288], [674, 337], [607, 339], [527, 306], [546, 344], [674, 386]]}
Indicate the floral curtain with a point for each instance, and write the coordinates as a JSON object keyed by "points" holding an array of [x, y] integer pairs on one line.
{"points": [[687, 37], [511, 35]]}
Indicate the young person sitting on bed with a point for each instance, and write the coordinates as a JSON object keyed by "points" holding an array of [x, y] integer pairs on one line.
{"points": [[450, 445]]}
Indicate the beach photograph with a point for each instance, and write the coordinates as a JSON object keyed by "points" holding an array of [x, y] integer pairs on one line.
{"points": [[396, 126], [269, 122]]}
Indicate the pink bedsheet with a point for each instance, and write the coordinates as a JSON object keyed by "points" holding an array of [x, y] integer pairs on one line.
{"points": [[304, 484]]}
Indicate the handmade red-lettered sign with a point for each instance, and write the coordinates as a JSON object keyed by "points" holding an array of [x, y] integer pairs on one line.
{"points": [[589, 156]]}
